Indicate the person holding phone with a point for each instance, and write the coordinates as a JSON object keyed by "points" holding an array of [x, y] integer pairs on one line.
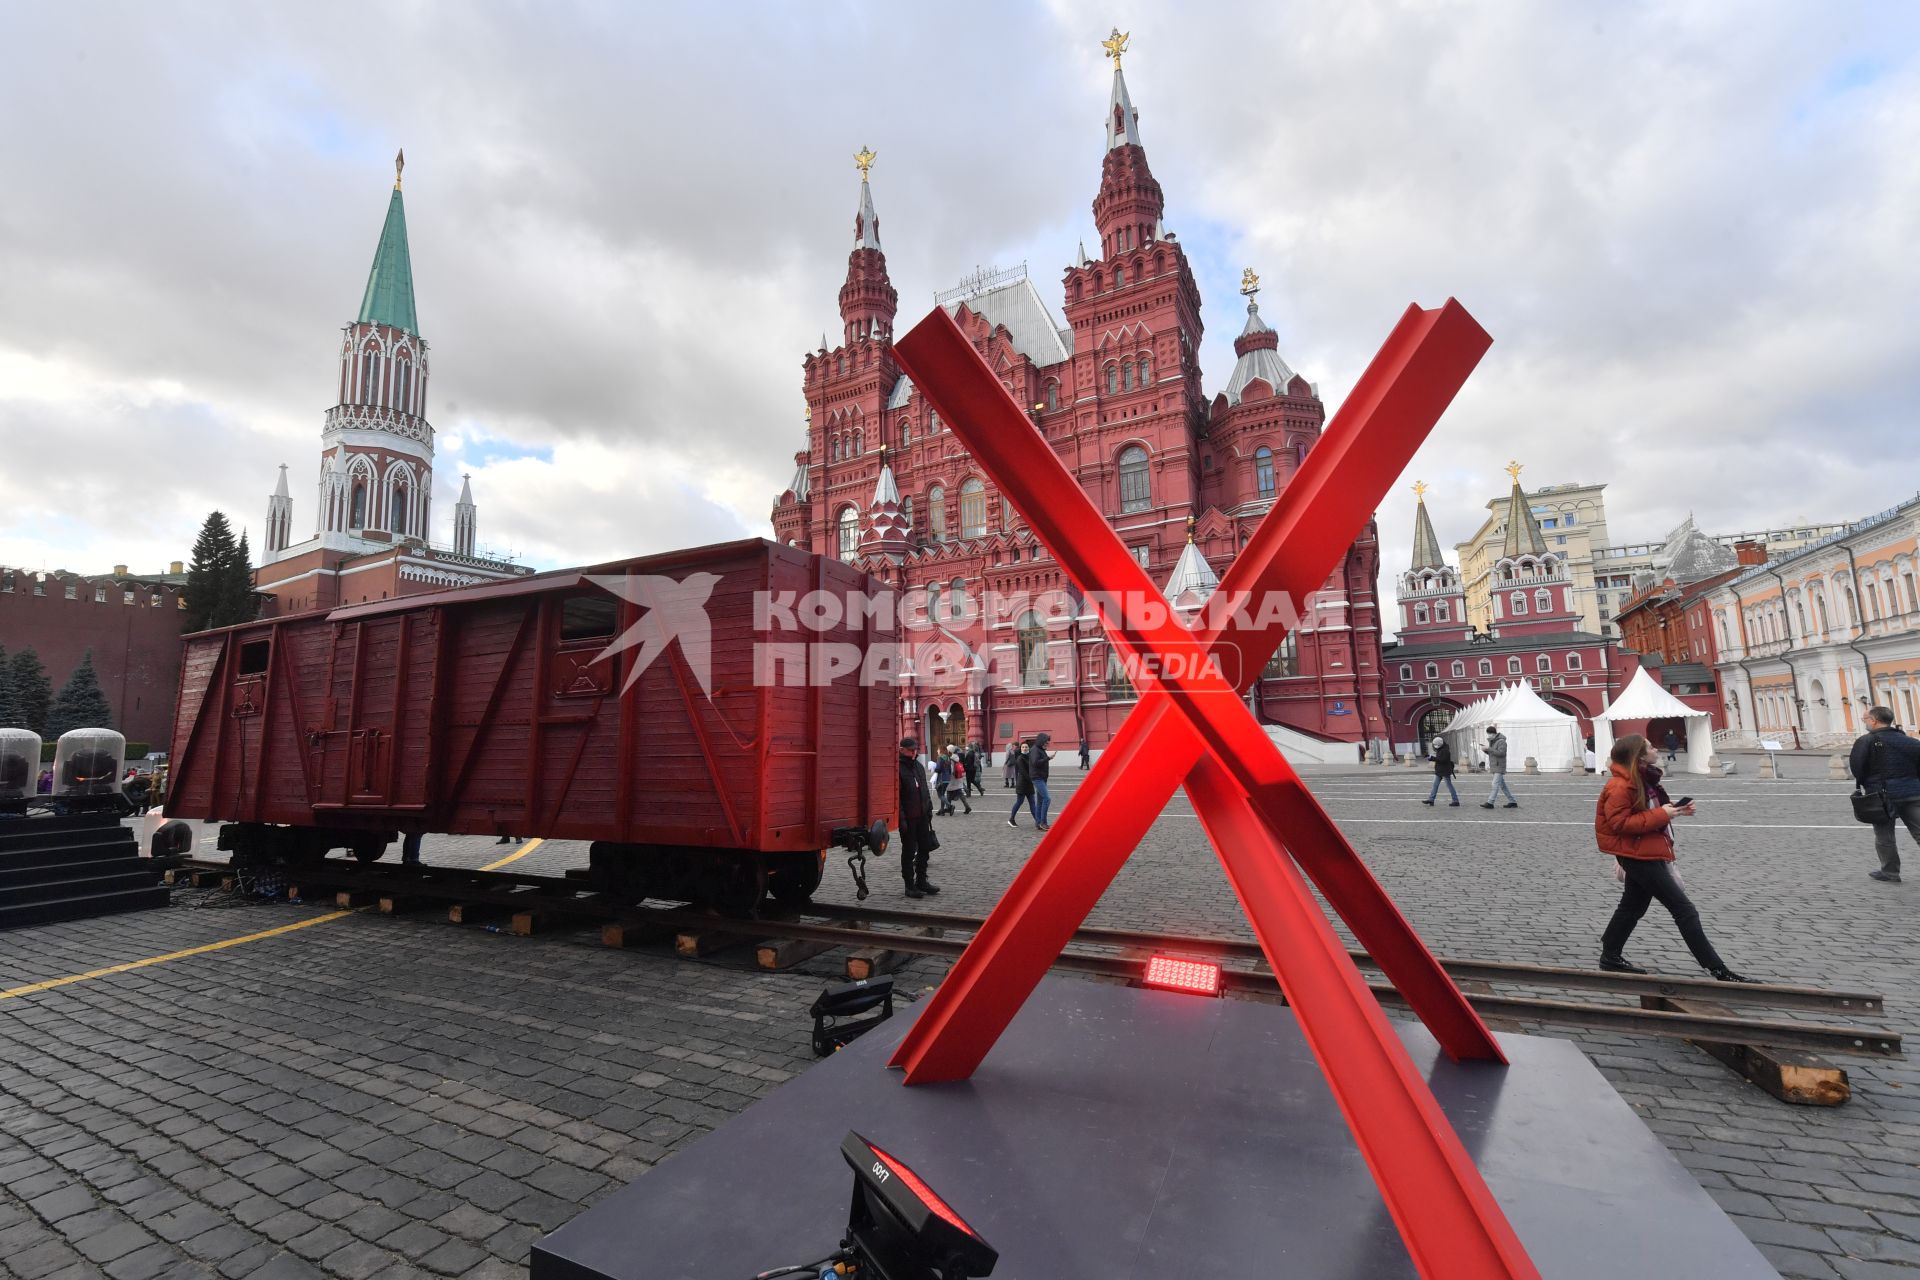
{"points": [[1637, 832]]}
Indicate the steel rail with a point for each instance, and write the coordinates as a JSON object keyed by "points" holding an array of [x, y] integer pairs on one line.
{"points": [[1244, 973]]}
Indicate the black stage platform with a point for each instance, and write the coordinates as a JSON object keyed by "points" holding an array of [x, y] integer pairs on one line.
{"points": [[1115, 1132]]}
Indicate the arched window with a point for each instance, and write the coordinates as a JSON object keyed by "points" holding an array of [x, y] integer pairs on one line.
{"points": [[1033, 651], [1853, 608], [1513, 666], [849, 532], [1543, 602], [1406, 671], [833, 449], [1486, 666], [957, 600], [933, 423], [1008, 516], [1819, 608], [1420, 613], [357, 517], [937, 513], [1433, 671], [1141, 376], [1441, 613], [1459, 669], [1053, 395], [1873, 601], [1517, 603], [397, 516], [906, 511], [906, 432], [1119, 276], [1573, 662], [973, 508], [1263, 471], [856, 442], [1544, 662], [403, 385], [369, 377], [1136, 494], [1113, 379], [1126, 376]]}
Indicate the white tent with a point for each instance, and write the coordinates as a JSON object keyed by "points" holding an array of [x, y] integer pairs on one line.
{"points": [[1532, 728], [1643, 700]]}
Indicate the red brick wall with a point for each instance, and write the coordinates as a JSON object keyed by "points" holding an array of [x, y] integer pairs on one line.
{"points": [[136, 647]]}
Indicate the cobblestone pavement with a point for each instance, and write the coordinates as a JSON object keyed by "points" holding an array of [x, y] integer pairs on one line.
{"points": [[368, 1096]]}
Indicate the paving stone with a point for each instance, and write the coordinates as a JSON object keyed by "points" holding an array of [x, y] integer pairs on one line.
{"points": [[149, 1263], [116, 1241], [453, 1258], [358, 1261]]}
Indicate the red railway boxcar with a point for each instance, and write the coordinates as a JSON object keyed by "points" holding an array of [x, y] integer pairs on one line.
{"points": [[637, 705]]}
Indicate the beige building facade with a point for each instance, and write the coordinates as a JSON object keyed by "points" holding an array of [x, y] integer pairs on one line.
{"points": [[1811, 639]]}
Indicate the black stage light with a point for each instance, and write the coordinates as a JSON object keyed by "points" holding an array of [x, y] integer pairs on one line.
{"points": [[898, 1229], [837, 1004]]}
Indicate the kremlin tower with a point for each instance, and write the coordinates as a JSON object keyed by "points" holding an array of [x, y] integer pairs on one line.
{"points": [[374, 498]]}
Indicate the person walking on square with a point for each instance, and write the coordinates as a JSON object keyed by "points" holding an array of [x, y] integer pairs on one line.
{"points": [[1039, 768], [1673, 745], [1086, 756], [1497, 766], [971, 758], [916, 820], [957, 785], [1442, 772], [1009, 770], [1628, 824], [1886, 760], [1019, 764], [943, 782]]}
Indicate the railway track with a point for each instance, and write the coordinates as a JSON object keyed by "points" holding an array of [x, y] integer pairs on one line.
{"points": [[1121, 954]]}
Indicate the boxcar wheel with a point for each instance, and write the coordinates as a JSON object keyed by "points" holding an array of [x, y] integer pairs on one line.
{"points": [[792, 883], [739, 886], [368, 848]]}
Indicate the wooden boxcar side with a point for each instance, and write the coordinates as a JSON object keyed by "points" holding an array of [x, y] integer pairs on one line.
{"points": [[499, 709]]}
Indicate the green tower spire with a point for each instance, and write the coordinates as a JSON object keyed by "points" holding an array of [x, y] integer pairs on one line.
{"points": [[389, 296]]}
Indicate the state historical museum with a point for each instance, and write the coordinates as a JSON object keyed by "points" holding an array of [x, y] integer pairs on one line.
{"points": [[1118, 392]]}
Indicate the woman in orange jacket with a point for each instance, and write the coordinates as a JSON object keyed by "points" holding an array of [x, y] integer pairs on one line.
{"points": [[1636, 833]]}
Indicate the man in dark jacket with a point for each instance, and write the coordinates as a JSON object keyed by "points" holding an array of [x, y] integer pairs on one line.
{"points": [[971, 758], [1039, 769], [1886, 760], [916, 820], [1442, 772]]}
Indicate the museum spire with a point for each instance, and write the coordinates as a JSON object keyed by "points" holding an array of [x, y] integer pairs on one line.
{"points": [[1130, 204], [867, 299]]}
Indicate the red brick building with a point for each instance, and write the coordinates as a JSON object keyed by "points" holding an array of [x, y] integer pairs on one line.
{"points": [[1669, 625], [1117, 390], [130, 624], [1440, 661], [374, 498]]}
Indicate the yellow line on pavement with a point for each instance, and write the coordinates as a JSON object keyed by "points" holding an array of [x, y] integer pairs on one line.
{"points": [[516, 855], [51, 983]]}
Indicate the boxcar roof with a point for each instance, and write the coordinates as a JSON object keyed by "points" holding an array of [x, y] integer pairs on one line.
{"points": [[551, 580]]}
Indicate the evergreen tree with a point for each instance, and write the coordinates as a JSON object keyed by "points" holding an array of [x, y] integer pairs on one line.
{"points": [[208, 574], [81, 704], [236, 589], [9, 705], [32, 692]]}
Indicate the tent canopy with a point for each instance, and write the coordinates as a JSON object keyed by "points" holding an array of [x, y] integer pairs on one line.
{"points": [[1643, 699]]}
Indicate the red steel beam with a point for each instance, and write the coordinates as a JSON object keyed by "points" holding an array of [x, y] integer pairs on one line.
{"points": [[1247, 793], [1402, 393]]}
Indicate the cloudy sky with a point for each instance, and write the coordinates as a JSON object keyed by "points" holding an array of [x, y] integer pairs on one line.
{"points": [[1689, 226]]}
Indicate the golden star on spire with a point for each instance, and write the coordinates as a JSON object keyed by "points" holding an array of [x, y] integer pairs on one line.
{"points": [[399, 163], [1514, 469], [864, 158], [1249, 282], [1115, 45], [1420, 491]]}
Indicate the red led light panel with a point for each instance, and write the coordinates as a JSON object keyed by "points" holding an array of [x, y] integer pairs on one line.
{"points": [[1183, 975], [922, 1190]]}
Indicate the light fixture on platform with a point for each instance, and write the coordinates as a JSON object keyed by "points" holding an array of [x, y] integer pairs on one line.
{"points": [[1194, 977]]}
